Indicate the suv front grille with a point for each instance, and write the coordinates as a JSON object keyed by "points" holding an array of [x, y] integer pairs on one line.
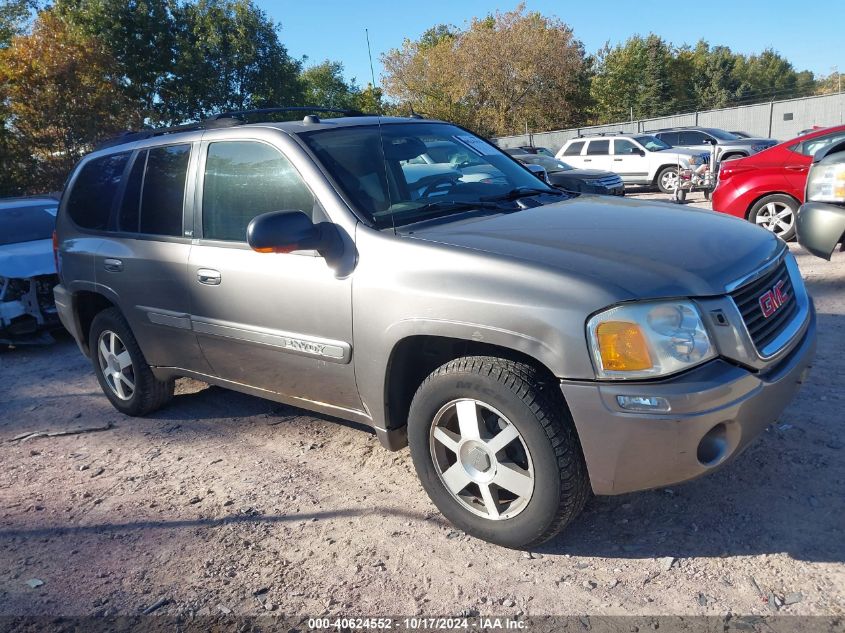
{"points": [[764, 330]]}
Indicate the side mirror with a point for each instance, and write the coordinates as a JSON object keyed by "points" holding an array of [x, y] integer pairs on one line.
{"points": [[538, 170], [641, 152], [288, 231]]}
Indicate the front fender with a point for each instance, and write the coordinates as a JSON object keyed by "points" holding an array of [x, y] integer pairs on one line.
{"points": [[820, 227]]}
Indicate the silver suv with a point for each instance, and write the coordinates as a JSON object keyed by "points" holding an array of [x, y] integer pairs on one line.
{"points": [[728, 145], [528, 344]]}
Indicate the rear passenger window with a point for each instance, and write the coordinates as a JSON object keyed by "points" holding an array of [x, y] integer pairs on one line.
{"points": [[598, 148], [574, 149], [90, 201], [163, 193], [670, 138], [244, 179], [155, 191]]}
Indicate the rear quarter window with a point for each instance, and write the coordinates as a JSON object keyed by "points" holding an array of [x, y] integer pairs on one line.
{"points": [[94, 190], [574, 149]]}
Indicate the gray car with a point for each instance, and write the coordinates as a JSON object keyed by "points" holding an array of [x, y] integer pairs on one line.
{"points": [[530, 345], [728, 144]]}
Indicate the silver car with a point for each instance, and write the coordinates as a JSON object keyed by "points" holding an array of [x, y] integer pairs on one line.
{"points": [[530, 345]]}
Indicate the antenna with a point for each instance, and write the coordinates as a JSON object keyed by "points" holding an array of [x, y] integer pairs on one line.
{"points": [[380, 133], [370, 53]]}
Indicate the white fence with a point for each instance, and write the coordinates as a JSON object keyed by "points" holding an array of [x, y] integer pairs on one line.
{"points": [[777, 119]]}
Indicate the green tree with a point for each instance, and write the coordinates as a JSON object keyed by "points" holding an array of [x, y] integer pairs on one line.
{"points": [[14, 18], [324, 85], [228, 56], [139, 35]]}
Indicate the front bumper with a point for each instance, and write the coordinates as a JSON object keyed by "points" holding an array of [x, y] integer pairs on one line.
{"points": [[717, 410], [820, 227]]}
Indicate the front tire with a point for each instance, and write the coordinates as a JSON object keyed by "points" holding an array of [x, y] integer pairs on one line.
{"points": [[496, 450], [667, 179], [121, 369], [775, 213]]}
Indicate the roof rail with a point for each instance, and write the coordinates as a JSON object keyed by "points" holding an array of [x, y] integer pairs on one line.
{"points": [[241, 114], [131, 137], [587, 135], [222, 120]]}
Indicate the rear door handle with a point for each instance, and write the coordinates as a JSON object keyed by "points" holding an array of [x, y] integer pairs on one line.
{"points": [[617, 160], [588, 160], [209, 277], [113, 265]]}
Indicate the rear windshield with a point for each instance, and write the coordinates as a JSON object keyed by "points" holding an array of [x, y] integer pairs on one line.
{"points": [[27, 222]]}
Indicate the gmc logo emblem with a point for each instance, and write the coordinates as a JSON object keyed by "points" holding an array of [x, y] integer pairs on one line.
{"points": [[772, 300]]}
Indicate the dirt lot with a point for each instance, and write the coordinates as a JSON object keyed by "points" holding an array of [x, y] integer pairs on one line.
{"points": [[224, 502]]}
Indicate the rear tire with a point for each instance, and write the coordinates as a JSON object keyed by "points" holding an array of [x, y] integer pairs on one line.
{"points": [[776, 213], [667, 179], [121, 369], [496, 450]]}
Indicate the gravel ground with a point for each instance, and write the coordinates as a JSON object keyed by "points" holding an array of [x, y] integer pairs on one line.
{"points": [[227, 503]]}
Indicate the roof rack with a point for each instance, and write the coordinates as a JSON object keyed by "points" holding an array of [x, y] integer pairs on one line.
{"points": [[604, 134], [222, 120], [131, 137], [241, 114]]}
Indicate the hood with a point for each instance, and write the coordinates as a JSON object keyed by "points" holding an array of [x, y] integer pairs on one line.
{"points": [[587, 174], [27, 259], [643, 249]]}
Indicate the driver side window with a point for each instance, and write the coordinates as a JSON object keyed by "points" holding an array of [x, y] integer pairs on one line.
{"points": [[244, 179], [624, 147]]}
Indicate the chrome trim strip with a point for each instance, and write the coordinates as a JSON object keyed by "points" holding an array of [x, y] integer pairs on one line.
{"points": [[757, 273], [290, 342]]}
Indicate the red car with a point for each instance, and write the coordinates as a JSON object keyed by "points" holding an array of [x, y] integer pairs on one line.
{"points": [[768, 187]]}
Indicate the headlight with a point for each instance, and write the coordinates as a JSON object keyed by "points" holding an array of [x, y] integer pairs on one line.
{"points": [[826, 181], [649, 339]]}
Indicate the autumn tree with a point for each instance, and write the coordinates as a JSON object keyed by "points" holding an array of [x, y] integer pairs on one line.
{"points": [[61, 97], [503, 72]]}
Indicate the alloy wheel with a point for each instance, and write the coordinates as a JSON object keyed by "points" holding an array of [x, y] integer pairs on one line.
{"points": [[777, 217], [482, 459], [116, 365], [669, 180]]}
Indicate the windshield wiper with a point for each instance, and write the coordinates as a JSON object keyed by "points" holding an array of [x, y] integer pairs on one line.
{"points": [[522, 192]]}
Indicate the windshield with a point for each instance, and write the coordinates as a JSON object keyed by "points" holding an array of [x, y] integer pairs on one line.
{"points": [[652, 143], [403, 172], [551, 164], [722, 135], [27, 221]]}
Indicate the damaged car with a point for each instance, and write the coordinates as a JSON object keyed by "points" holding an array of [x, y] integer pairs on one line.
{"points": [[27, 270]]}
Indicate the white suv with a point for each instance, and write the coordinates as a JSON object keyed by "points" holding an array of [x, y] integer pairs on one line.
{"points": [[641, 159]]}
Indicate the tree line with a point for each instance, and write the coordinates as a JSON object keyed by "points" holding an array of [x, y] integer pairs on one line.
{"points": [[74, 72], [79, 71]]}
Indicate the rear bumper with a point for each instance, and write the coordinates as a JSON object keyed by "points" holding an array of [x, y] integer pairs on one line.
{"points": [[717, 410], [820, 227], [68, 315]]}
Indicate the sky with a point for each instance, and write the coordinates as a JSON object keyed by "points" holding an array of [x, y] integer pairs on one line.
{"points": [[809, 33]]}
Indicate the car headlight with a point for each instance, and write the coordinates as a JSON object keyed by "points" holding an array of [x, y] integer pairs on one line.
{"points": [[826, 181], [648, 339]]}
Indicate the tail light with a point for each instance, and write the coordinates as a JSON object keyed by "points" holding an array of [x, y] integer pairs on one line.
{"points": [[56, 252]]}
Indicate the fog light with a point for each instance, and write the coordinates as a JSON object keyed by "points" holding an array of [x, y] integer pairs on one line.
{"points": [[643, 403]]}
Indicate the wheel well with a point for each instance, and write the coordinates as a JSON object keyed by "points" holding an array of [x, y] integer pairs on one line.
{"points": [[766, 195], [415, 357], [731, 155], [88, 305]]}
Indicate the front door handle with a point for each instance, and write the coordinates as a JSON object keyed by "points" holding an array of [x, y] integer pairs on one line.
{"points": [[617, 160], [113, 265], [588, 160], [797, 167], [208, 276]]}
